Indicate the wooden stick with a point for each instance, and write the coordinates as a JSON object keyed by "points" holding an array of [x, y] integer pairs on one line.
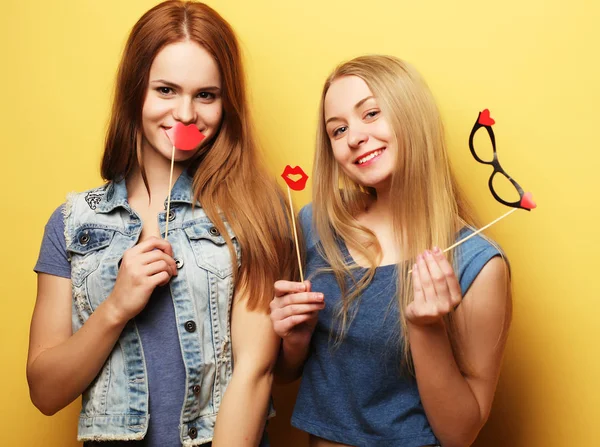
{"points": [[476, 232], [169, 198], [479, 231], [295, 234]]}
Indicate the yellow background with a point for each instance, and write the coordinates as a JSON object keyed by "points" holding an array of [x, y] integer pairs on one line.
{"points": [[533, 63]]}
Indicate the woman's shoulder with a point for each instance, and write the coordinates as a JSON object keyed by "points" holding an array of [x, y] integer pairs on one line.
{"points": [[56, 223], [476, 243], [90, 197], [473, 254]]}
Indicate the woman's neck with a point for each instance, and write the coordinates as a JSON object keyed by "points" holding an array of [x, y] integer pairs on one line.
{"points": [[157, 169], [380, 207]]}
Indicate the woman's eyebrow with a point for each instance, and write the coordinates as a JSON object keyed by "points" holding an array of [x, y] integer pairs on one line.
{"points": [[356, 107]]}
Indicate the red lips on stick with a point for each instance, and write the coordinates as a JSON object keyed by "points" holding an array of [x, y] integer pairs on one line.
{"points": [[295, 178], [185, 138]]}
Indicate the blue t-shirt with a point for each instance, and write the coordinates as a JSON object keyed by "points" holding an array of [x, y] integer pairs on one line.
{"points": [[158, 332], [357, 392]]}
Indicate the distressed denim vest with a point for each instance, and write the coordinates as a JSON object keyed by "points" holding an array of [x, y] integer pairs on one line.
{"points": [[99, 226]]}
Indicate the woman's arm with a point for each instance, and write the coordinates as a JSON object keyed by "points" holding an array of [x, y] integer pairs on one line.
{"points": [[60, 364], [458, 403], [243, 412]]}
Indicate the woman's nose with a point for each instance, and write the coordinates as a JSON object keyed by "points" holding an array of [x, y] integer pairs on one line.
{"points": [[357, 137], [185, 112]]}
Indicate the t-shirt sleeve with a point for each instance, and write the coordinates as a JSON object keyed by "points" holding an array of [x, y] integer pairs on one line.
{"points": [[53, 258], [473, 255]]}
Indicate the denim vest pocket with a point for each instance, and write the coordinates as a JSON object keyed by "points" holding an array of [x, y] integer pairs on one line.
{"points": [[88, 247], [210, 249]]}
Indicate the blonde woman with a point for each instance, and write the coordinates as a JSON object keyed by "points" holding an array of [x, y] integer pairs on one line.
{"points": [[397, 344]]}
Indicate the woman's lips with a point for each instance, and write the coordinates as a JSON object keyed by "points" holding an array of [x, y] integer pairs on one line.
{"points": [[296, 185], [369, 156]]}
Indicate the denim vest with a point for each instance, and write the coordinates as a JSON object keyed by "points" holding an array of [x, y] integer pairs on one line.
{"points": [[99, 226]]}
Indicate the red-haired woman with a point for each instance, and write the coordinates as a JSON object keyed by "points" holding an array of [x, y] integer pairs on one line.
{"points": [[148, 330]]}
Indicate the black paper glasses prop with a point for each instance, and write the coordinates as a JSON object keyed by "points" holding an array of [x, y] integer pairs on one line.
{"points": [[526, 198]]}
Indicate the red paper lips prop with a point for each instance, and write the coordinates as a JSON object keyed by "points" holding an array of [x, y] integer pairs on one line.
{"points": [[185, 138], [289, 175], [296, 179]]}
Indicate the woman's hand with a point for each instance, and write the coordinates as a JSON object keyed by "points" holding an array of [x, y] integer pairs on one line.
{"points": [[294, 311], [435, 287], [143, 267]]}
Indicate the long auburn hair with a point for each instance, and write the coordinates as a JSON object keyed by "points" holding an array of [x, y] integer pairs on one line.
{"points": [[428, 207], [232, 181]]}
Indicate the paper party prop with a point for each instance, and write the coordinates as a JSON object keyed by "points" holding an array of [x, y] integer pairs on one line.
{"points": [[185, 138], [289, 174], [295, 178], [485, 121]]}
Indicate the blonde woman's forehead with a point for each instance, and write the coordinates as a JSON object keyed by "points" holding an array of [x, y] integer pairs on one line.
{"points": [[344, 94]]}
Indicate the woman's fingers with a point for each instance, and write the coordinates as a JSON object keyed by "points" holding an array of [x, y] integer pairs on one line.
{"points": [[435, 287], [425, 279], [153, 243], [154, 256], [161, 265], [454, 290], [298, 309], [418, 292], [288, 287], [287, 324], [293, 305], [161, 278], [437, 278], [297, 299]]}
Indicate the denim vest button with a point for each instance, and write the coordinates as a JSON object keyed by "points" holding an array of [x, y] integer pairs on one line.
{"points": [[190, 326], [214, 231], [196, 389], [84, 238], [193, 432], [178, 263], [171, 216]]}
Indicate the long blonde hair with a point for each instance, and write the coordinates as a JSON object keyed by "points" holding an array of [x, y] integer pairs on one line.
{"points": [[428, 207], [231, 181]]}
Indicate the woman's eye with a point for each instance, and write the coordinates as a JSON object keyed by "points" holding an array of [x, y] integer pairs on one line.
{"points": [[164, 90], [339, 131], [372, 114], [206, 95]]}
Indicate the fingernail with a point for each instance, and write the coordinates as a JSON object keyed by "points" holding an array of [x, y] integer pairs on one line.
{"points": [[300, 287], [437, 250], [428, 253]]}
